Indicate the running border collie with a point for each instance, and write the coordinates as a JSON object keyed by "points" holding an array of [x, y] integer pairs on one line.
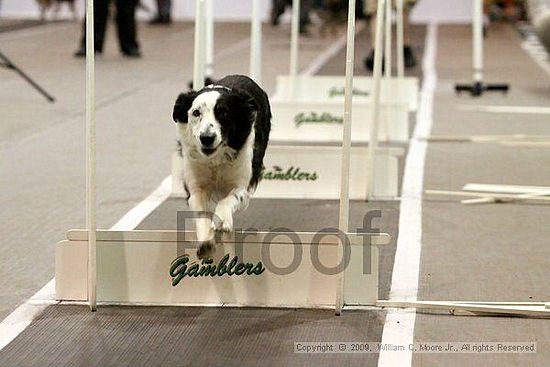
{"points": [[223, 131]]}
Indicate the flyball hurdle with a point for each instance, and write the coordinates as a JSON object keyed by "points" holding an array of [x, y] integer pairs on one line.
{"points": [[307, 123], [307, 107], [159, 267], [263, 270], [306, 110]]}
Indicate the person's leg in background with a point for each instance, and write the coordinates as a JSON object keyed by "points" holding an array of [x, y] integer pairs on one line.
{"points": [[164, 10], [126, 27], [101, 13], [359, 9], [305, 8], [277, 9], [370, 11]]}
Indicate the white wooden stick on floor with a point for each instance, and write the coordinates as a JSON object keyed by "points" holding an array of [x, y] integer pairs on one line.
{"points": [[505, 189], [495, 196], [519, 138], [537, 310], [529, 110], [496, 199]]}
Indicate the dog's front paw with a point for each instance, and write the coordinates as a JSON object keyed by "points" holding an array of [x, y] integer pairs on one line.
{"points": [[223, 219], [206, 250]]}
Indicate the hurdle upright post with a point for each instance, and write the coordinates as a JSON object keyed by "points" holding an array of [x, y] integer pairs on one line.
{"points": [[477, 41], [294, 37], [478, 87], [209, 35], [388, 40], [377, 76], [343, 216], [91, 159], [256, 43], [199, 47], [400, 31]]}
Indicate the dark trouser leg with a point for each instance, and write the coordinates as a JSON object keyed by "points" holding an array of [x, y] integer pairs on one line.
{"points": [[305, 8], [164, 8], [126, 24], [101, 13], [277, 9]]}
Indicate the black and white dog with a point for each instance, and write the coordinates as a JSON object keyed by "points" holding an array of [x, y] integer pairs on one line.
{"points": [[223, 131]]}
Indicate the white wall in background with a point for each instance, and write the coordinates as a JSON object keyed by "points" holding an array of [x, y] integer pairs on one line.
{"points": [[442, 11], [227, 10]]}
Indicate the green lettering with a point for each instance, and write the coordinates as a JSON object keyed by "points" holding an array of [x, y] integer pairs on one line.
{"points": [[222, 267], [239, 270], [258, 269]]}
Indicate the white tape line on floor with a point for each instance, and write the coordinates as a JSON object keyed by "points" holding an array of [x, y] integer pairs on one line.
{"points": [[330, 52], [23, 315], [399, 324]]}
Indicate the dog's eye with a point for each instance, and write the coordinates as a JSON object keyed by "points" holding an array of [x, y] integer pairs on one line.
{"points": [[196, 113]]}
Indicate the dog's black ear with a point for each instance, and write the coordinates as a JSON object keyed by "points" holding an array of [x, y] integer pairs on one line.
{"points": [[252, 105], [183, 104]]}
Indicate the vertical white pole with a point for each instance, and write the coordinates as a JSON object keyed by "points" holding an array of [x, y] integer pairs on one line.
{"points": [[400, 40], [294, 37], [343, 222], [209, 16], [90, 157], [477, 27], [388, 40], [386, 90], [377, 75], [199, 49], [256, 43]]}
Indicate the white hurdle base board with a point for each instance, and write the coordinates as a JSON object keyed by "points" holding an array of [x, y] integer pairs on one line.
{"points": [[138, 271], [313, 172]]}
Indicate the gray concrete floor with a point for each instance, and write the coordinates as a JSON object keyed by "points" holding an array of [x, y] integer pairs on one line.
{"points": [[486, 252]]}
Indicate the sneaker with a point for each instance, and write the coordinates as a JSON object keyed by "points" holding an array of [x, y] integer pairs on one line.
{"points": [[160, 20], [133, 53]]}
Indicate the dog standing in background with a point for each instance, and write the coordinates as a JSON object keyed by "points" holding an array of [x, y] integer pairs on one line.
{"points": [[45, 5]]}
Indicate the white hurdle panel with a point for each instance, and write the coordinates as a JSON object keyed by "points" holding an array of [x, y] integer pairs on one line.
{"points": [[133, 267], [309, 108], [311, 172]]}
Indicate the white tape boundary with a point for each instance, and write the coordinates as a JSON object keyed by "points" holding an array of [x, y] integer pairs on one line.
{"points": [[399, 324], [23, 315], [330, 52]]}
